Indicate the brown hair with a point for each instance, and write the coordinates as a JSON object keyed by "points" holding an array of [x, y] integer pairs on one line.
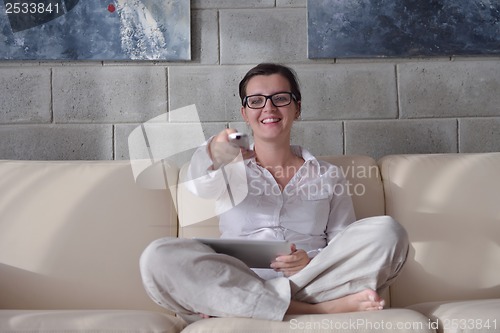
{"points": [[269, 69]]}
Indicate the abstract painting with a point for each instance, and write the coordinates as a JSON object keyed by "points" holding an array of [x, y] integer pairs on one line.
{"points": [[402, 28], [95, 30]]}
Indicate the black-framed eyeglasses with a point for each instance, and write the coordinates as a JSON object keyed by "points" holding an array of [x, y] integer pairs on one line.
{"points": [[278, 99]]}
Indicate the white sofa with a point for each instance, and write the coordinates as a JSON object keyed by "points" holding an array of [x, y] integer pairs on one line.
{"points": [[71, 233]]}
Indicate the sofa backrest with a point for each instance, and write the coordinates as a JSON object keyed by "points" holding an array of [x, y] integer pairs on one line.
{"points": [[364, 182], [361, 172], [450, 206], [71, 234]]}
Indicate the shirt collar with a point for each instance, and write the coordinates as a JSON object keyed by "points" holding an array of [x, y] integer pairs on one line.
{"points": [[297, 150]]}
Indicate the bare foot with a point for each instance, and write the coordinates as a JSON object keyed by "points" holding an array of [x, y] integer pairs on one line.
{"points": [[366, 300]]}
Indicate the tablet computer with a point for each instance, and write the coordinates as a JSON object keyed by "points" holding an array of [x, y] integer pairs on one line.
{"points": [[254, 253]]}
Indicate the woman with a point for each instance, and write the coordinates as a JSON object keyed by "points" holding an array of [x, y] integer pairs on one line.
{"points": [[336, 264]]}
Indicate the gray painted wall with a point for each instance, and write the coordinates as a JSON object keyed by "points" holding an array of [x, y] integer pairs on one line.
{"points": [[86, 110]]}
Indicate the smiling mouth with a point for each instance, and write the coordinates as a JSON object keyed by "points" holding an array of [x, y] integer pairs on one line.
{"points": [[270, 120]]}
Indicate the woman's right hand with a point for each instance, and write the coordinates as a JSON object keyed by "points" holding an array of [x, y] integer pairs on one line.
{"points": [[223, 152]]}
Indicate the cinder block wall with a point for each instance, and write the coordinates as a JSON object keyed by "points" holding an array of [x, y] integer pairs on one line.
{"points": [[86, 110]]}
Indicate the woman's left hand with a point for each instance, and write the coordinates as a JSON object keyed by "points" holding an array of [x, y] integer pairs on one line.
{"points": [[292, 263]]}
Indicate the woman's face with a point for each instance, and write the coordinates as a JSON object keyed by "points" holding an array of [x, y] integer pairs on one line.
{"points": [[270, 122]]}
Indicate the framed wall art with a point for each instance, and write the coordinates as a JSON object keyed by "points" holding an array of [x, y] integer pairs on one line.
{"points": [[95, 30], [403, 28]]}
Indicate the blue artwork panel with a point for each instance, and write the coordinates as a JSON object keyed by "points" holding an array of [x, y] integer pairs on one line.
{"points": [[95, 30], [402, 28]]}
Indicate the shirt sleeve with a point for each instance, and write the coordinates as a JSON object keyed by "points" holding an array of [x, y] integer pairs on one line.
{"points": [[341, 208], [225, 184], [200, 178]]}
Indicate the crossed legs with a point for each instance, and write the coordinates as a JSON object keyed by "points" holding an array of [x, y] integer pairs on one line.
{"points": [[346, 276]]}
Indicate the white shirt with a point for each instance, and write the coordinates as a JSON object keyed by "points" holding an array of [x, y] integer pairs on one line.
{"points": [[312, 208]]}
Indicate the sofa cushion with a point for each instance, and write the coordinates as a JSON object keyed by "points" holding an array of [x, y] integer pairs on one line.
{"points": [[466, 316], [449, 204], [361, 172], [88, 321], [71, 234], [392, 320]]}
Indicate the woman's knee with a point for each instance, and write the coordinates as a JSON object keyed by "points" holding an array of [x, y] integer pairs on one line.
{"points": [[172, 252], [164, 252], [387, 232], [394, 235], [397, 231]]}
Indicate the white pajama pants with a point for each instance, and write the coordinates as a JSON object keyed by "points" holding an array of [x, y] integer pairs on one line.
{"points": [[188, 277]]}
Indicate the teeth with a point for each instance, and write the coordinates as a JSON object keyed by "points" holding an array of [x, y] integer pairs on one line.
{"points": [[270, 120]]}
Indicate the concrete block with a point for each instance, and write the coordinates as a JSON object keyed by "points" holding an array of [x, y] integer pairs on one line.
{"points": [[25, 95], [242, 127], [260, 35], [449, 89], [319, 138], [214, 90], [122, 132], [19, 63], [205, 36], [94, 94], [291, 3], [360, 91], [479, 135], [379, 138], [56, 142], [204, 4]]}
